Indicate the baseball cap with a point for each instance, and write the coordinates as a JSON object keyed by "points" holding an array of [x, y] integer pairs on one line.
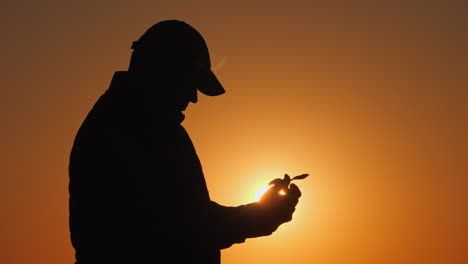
{"points": [[177, 46]]}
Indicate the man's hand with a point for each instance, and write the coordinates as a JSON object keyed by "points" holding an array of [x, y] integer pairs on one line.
{"points": [[275, 207], [280, 202]]}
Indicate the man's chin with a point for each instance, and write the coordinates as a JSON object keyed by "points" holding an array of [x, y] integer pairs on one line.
{"points": [[182, 108]]}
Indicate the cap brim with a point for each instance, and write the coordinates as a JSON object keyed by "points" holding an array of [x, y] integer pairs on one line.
{"points": [[211, 85]]}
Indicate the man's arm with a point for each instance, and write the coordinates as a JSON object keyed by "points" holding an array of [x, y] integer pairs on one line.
{"points": [[230, 225]]}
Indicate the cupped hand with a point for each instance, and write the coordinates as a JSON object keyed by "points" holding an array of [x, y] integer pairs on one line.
{"points": [[280, 201]]}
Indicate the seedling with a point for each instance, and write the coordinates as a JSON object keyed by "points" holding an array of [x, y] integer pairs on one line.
{"points": [[284, 183]]}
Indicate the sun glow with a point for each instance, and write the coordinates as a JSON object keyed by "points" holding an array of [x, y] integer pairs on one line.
{"points": [[261, 191]]}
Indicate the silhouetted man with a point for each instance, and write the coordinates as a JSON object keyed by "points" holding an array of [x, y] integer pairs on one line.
{"points": [[137, 189]]}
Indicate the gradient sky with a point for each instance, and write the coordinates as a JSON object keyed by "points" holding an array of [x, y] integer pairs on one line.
{"points": [[369, 97]]}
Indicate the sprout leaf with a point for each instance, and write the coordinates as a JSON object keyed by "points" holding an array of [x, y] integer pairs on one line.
{"points": [[300, 177]]}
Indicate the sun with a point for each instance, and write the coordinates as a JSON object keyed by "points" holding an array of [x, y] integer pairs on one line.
{"points": [[261, 191]]}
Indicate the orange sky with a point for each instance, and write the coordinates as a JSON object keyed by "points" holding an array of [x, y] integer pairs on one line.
{"points": [[368, 98]]}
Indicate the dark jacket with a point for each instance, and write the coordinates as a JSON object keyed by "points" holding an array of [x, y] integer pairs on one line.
{"points": [[138, 193]]}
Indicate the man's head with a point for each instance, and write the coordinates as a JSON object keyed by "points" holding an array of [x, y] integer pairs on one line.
{"points": [[171, 60]]}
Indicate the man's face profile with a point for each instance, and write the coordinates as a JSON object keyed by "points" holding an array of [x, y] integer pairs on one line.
{"points": [[173, 90]]}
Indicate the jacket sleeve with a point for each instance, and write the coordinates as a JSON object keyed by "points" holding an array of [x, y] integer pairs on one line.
{"points": [[230, 225]]}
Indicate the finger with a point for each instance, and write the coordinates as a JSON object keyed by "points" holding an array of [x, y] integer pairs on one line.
{"points": [[294, 194], [276, 182], [271, 193], [276, 187], [294, 190], [286, 214], [273, 190]]}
